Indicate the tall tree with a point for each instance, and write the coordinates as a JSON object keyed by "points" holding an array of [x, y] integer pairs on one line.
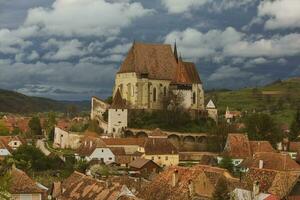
{"points": [[49, 125], [295, 126], [221, 191], [261, 126], [35, 126], [226, 163]]}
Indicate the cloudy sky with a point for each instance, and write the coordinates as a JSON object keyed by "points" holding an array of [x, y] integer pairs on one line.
{"points": [[71, 49]]}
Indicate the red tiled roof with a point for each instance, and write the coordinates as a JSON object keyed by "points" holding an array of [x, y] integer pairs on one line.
{"points": [[118, 101], [278, 183], [159, 146], [21, 183], [158, 62], [271, 160], [140, 162], [124, 141], [261, 146], [237, 146]]}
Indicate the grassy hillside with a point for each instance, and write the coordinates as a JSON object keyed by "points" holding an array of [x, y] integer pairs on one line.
{"points": [[280, 99], [14, 102]]}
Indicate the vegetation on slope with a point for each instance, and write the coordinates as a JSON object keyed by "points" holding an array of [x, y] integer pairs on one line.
{"points": [[280, 99], [14, 102]]}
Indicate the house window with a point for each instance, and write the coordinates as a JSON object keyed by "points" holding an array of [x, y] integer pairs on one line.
{"points": [[194, 97], [15, 143], [154, 94], [114, 129], [167, 158], [110, 158], [102, 150], [158, 157], [152, 158]]}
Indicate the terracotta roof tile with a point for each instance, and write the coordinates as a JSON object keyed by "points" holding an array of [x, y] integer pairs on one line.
{"points": [[139, 163], [124, 141], [271, 160], [237, 146], [261, 146], [89, 144], [118, 101], [159, 146], [21, 183]]}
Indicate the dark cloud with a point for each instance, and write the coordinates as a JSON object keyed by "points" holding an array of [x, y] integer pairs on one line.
{"points": [[72, 49]]}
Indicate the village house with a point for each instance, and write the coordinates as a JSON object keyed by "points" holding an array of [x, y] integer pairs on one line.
{"points": [[64, 139], [275, 182], [238, 148], [9, 144], [144, 166], [232, 116], [23, 187], [271, 160], [185, 183], [92, 148], [81, 187], [161, 151]]}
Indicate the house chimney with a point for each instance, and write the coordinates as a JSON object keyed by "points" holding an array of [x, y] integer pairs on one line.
{"points": [[261, 164], [191, 188], [255, 189], [175, 178]]}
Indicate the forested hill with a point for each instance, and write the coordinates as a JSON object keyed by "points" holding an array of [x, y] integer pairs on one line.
{"points": [[279, 98], [14, 102]]}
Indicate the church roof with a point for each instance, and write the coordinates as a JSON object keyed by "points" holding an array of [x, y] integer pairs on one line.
{"points": [[118, 101], [159, 62]]}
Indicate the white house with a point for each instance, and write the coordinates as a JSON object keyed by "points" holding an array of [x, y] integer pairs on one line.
{"points": [[93, 148], [117, 115], [64, 139]]}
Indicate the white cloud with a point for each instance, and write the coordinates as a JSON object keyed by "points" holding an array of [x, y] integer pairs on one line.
{"points": [[180, 6], [232, 43], [85, 17], [11, 43], [64, 49], [195, 44], [280, 13]]}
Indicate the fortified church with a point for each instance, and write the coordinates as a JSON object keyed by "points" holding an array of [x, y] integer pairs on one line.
{"points": [[146, 76]]}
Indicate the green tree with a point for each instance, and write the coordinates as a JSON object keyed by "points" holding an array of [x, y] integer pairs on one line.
{"points": [[94, 127], [3, 129], [261, 126], [5, 181], [226, 163], [35, 126], [221, 191], [49, 125], [81, 165], [295, 126]]}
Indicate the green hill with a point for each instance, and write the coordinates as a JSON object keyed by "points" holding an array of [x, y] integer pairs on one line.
{"points": [[14, 102], [279, 98]]}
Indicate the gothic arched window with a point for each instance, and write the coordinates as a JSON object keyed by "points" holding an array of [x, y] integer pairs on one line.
{"points": [[194, 98], [154, 94]]}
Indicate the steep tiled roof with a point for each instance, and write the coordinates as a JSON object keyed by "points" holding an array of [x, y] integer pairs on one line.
{"points": [[278, 183], [237, 146], [271, 160], [21, 183], [118, 151], [161, 187], [158, 62], [89, 144], [118, 101], [5, 140], [261, 146], [140, 162], [124, 141], [159, 146], [87, 188]]}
